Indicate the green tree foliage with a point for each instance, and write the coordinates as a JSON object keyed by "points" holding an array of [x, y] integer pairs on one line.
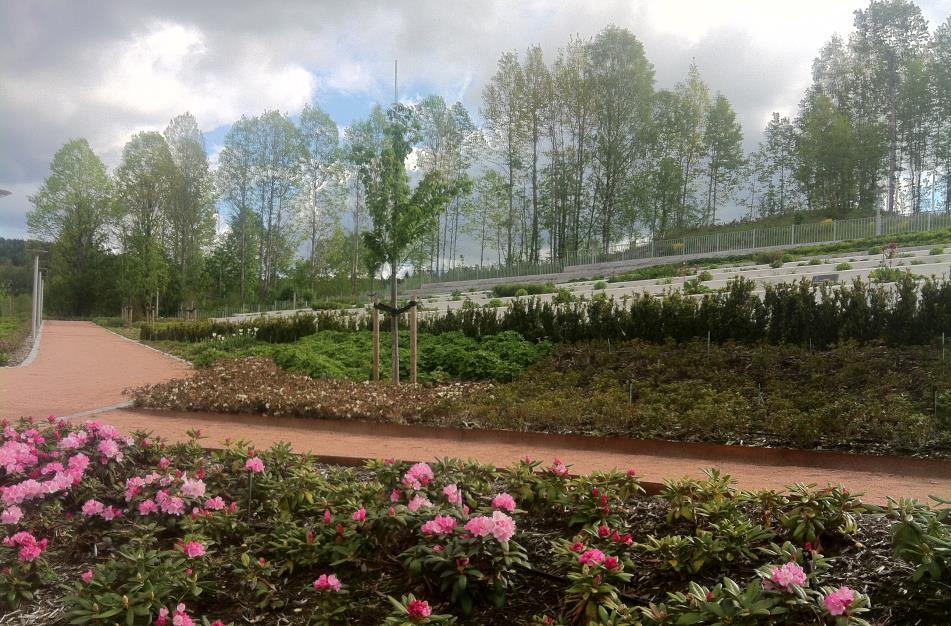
{"points": [[73, 208], [400, 214]]}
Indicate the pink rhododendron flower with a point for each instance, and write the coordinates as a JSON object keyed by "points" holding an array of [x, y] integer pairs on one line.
{"points": [[147, 507], [395, 495], [419, 609], [110, 449], [558, 468], [16, 457], [193, 488], [611, 562], [419, 475], [215, 504], [254, 465], [93, 507], [359, 515], [30, 548], [480, 526], [452, 493], [788, 575], [11, 515], [194, 549], [172, 505], [838, 602], [589, 557], [504, 501], [503, 526], [632, 472], [133, 486], [439, 525], [164, 463], [87, 576], [327, 583], [74, 440], [110, 513], [418, 502], [327, 517]]}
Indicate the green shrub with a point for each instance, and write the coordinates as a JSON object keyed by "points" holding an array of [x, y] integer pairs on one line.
{"points": [[530, 289], [937, 250], [521, 293], [875, 250], [601, 284], [843, 267], [705, 276], [494, 303], [815, 261], [563, 296]]}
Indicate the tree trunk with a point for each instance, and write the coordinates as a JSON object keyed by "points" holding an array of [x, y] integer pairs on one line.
{"points": [[394, 327]]}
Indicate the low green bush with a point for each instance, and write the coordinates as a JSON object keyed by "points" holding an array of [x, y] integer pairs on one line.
{"points": [[530, 289], [843, 267], [601, 284], [937, 250]]}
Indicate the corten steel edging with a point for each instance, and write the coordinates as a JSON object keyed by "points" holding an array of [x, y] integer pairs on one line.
{"points": [[697, 452]]}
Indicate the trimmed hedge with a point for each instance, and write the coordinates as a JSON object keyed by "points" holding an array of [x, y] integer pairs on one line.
{"points": [[903, 313]]}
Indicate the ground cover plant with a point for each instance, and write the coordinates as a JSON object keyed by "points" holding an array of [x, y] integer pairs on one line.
{"points": [[865, 398], [349, 354], [99, 528]]}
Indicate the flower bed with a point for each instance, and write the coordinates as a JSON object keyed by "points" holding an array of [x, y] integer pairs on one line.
{"points": [[103, 529], [257, 385], [781, 396]]}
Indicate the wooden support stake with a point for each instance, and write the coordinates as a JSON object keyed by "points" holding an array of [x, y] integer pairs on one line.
{"points": [[376, 340], [412, 343]]}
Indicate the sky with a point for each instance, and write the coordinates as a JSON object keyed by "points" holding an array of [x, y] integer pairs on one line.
{"points": [[104, 70]]}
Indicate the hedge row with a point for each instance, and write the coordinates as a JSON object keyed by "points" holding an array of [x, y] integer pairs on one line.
{"points": [[904, 313]]}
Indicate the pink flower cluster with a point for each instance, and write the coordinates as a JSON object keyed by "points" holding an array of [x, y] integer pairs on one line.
{"points": [[558, 468], [254, 465], [418, 502], [504, 501], [30, 548], [179, 617], [597, 557], [500, 526], [418, 609], [327, 583], [453, 494], [359, 515], [418, 476], [92, 508], [788, 575], [193, 549], [11, 515], [439, 525], [32, 489], [839, 601]]}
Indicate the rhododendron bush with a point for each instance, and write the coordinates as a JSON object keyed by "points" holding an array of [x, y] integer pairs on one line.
{"points": [[101, 528]]}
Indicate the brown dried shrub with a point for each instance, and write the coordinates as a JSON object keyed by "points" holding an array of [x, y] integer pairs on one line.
{"points": [[257, 385]]}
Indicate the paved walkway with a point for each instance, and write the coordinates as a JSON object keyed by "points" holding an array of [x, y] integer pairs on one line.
{"points": [[82, 367]]}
